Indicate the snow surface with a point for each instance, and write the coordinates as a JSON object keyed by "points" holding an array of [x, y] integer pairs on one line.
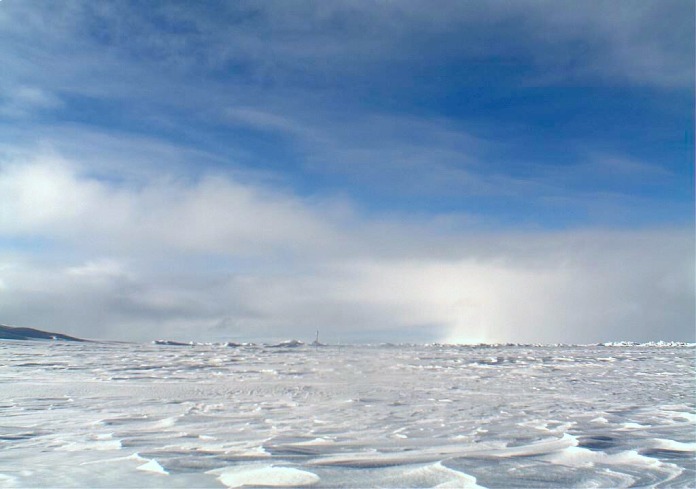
{"points": [[123, 415]]}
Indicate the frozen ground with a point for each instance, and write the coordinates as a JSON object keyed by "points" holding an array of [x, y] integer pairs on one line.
{"points": [[119, 415]]}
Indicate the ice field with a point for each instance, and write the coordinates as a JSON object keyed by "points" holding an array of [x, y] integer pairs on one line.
{"points": [[125, 415]]}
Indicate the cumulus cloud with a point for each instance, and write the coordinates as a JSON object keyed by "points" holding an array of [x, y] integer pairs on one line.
{"points": [[212, 214], [214, 258]]}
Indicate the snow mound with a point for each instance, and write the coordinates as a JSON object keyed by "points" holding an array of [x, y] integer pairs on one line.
{"points": [[269, 476]]}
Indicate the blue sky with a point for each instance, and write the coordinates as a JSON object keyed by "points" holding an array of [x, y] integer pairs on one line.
{"points": [[432, 171]]}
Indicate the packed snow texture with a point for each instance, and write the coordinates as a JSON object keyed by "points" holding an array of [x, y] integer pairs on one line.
{"points": [[123, 415]]}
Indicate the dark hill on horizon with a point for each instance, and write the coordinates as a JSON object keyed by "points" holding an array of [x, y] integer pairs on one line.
{"points": [[18, 333]]}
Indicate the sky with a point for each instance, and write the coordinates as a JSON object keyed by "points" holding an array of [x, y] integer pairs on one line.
{"points": [[402, 171]]}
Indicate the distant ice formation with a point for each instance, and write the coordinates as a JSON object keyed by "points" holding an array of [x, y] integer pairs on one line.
{"points": [[288, 344]]}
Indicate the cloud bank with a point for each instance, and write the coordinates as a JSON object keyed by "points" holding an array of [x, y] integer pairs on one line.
{"points": [[217, 259]]}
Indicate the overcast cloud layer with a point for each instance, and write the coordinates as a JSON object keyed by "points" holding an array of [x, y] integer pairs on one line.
{"points": [[388, 171]]}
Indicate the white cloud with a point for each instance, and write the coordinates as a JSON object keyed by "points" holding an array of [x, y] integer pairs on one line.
{"points": [[213, 258], [98, 269], [214, 214]]}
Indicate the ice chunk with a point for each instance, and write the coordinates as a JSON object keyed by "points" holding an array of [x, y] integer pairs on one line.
{"points": [[153, 466]]}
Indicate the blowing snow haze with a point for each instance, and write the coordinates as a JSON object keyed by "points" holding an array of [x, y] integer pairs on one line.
{"points": [[380, 171]]}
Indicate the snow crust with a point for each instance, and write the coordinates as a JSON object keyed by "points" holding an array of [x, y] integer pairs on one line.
{"points": [[124, 415]]}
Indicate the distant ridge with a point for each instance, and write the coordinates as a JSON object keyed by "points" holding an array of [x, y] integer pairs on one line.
{"points": [[14, 333]]}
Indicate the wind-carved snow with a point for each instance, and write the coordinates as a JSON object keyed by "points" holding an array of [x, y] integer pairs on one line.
{"points": [[106, 415]]}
